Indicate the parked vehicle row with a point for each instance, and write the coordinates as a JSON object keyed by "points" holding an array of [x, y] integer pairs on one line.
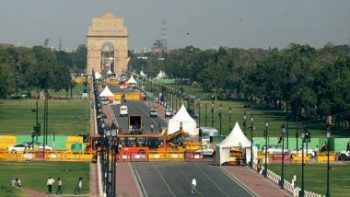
{"points": [[276, 149], [28, 146]]}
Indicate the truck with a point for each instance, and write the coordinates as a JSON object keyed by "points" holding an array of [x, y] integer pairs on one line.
{"points": [[135, 124]]}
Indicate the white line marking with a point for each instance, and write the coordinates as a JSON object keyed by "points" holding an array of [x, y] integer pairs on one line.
{"points": [[161, 176], [213, 182], [142, 190], [245, 187]]}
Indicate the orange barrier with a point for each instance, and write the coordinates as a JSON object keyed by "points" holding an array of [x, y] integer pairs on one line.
{"points": [[157, 156], [143, 156], [323, 157], [49, 156], [124, 157], [177, 156], [193, 156], [278, 158], [298, 158]]}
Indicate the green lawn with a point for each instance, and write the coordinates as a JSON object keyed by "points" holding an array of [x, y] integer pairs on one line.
{"points": [[34, 175], [315, 177], [66, 117]]}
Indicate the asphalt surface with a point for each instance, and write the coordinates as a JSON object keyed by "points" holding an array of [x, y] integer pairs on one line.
{"points": [[174, 179], [138, 108]]}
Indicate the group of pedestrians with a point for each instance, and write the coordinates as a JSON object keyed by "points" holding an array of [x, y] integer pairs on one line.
{"points": [[16, 182], [51, 181]]}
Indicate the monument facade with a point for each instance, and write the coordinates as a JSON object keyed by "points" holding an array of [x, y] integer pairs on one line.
{"points": [[107, 45]]}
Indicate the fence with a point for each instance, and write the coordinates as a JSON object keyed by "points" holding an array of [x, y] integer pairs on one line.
{"points": [[47, 156]]}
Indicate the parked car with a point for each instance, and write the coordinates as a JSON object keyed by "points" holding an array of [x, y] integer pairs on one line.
{"points": [[37, 146], [206, 132], [344, 155], [308, 152], [123, 110], [206, 151], [168, 112], [17, 148], [153, 113], [20, 95], [275, 149]]}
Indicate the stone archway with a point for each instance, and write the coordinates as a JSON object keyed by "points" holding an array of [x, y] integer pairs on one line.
{"points": [[107, 45]]}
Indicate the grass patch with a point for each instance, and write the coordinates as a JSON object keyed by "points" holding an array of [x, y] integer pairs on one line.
{"points": [[34, 175], [315, 177], [66, 117]]}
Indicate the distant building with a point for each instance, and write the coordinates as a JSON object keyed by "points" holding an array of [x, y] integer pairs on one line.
{"points": [[159, 47]]}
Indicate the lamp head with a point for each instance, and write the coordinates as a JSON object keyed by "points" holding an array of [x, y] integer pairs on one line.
{"points": [[328, 133], [283, 128]]}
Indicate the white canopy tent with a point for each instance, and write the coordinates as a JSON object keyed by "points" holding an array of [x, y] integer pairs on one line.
{"points": [[97, 75], [182, 118], [106, 92], [143, 74], [161, 75], [236, 138], [131, 80]]}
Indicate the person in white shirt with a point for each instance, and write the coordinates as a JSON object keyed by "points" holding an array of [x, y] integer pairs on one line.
{"points": [[49, 184], [194, 184]]}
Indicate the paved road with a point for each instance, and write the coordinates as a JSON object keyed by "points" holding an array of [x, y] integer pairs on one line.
{"points": [[174, 179], [141, 109]]}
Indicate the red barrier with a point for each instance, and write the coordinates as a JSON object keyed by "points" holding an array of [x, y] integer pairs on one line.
{"points": [[278, 158], [123, 157], [142, 156], [193, 156], [133, 154]]}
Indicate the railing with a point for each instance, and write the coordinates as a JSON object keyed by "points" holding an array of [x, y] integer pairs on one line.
{"points": [[49, 156], [289, 187]]}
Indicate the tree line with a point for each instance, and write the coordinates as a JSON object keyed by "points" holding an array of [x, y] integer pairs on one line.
{"points": [[310, 83], [25, 69]]}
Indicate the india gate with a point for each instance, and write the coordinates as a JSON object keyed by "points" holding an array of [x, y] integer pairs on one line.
{"points": [[107, 45]]}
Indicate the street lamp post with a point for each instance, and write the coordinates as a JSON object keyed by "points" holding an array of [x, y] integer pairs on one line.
{"points": [[212, 114], [251, 139], [230, 119], [220, 116], [266, 134], [245, 123], [283, 131], [297, 139], [304, 135], [328, 166], [205, 114], [199, 112]]}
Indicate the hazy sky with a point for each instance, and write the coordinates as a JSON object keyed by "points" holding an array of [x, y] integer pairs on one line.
{"points": [[201, 23]]}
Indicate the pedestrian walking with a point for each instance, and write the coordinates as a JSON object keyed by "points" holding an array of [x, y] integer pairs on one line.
{"points": [[59, 186], [18, 182], [49, 184], [13, 182], [193, 184], [79, 185], [152, 127]]}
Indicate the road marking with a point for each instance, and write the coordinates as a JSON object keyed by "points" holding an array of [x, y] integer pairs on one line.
{"points": [[142, 190], [213, 182], [245, 187], [161, 176]]}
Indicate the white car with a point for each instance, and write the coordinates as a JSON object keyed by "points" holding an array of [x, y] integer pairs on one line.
{"points": [[275, 149], [123, 110], [168, 112], [17, 148], [37, 146], [308, 152], [206, 151]]}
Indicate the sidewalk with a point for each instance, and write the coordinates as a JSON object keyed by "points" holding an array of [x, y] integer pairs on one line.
{"points": [[255, 182], [126, 181]]}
